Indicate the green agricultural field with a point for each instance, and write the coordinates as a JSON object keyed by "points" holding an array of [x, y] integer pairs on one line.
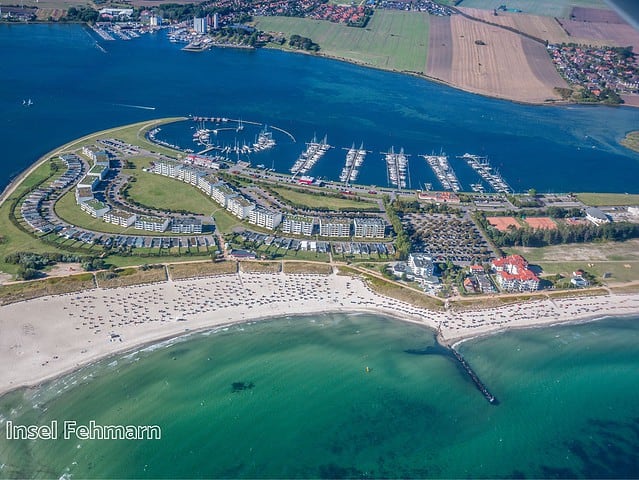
{"points": [[551, 8], [165, 193], [392, 40], [319, 201], [608, 199]]}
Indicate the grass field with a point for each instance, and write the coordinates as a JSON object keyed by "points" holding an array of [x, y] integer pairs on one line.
{"points": [[17, 292], [164, 193], [131, 276], [261, 267], [307, 267], [201, 269], [318, 201], [392, 40], [552, 8], [619, 259], [608, 199]]}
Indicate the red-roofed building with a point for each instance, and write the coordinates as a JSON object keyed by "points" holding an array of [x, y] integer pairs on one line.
{"points": [[512, 274]]}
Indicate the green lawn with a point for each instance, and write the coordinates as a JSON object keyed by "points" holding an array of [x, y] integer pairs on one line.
{"points": [[551, 8], [619, 271], [320, 201], [392, 40], [608, 199], [164, 193]]}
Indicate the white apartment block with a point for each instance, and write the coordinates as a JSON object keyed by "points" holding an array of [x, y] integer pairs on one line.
{"points": [[297, 225], [99, 171], [265, 218], [369, 227], [151, 224], [120, 217], [83, 194], [222, 193], [207, 183], [186, 225], [335, 227], [95, 208], [90, 182], [168, 169], [240, 206]]}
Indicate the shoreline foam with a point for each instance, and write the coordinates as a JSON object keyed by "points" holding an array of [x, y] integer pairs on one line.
{"points": [[49, 337]]}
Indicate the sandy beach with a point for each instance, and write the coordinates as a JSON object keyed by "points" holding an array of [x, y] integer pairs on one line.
{"points": [[48, 336]]}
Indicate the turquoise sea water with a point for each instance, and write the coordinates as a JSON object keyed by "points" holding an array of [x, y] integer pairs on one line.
{"points": [[80, 84], [568, 405], [568, 395]]}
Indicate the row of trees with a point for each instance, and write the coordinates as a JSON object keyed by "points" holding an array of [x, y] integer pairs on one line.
{"points": [[402, 241], [528, 237], [30, 264], [81, 14]]}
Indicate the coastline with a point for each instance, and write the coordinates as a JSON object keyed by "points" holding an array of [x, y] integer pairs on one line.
{"points": [[49, 337], [428, 78], [20, 177]]}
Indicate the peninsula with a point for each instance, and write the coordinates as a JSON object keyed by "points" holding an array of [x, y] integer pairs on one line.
{"points": [[118, 262]]}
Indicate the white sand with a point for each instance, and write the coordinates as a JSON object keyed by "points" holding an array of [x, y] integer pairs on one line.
{"points": [[45, 337]]}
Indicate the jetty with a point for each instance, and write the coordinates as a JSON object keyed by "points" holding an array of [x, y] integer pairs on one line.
{"points": [[443, 171], [473, 376], [354, 159], [439, 340], [314, 151], [396, 168], [482, 166]]}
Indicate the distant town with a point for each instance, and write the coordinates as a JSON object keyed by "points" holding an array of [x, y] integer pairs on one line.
{"points": [[593, 73]]}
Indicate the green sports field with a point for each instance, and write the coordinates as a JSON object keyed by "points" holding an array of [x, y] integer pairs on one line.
{"points": [[392, 40], [551, 8]]}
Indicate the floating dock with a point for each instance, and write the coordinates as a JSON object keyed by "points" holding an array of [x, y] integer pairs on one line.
{"points": [[396, 167], [354, 159], [485, 171], [314, 151], [443, 171]]}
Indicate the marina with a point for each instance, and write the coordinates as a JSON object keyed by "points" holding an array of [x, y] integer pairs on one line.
{"points": [[485, 171], [354, 159], [443, 171], [264, 141], [314, 151], [397, 168]]}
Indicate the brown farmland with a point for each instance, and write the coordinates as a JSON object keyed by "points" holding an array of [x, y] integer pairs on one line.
{"points": [[544, 28], [500, 66], [440, 49], [584, 14], [612, 34]]}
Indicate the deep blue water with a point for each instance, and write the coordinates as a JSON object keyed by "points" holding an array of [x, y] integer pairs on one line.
{"points": [[77, 88]]}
